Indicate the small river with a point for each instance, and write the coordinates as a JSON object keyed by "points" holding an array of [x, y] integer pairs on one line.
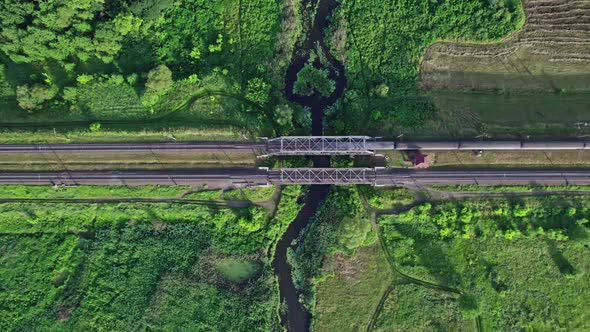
{"points": [[297, 319]]}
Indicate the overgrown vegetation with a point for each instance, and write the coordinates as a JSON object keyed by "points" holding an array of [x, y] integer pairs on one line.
{"points": [[518, 263], [103, 61], [384, 43], [110, 266], [311, 80], [340, 226], [512, 264]]}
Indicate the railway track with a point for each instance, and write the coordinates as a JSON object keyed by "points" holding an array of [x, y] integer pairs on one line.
{"points": [[258, 177], [132, 147], [312, 145]]}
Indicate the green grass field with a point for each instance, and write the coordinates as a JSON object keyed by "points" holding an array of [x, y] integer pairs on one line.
{"points": [[382, 44], [518, 263], [106, 267], [354, 289], [514, 115]]}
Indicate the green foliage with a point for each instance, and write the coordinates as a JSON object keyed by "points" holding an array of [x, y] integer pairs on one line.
{"points": [[159, 79], [257, 90], [352, 233], [107, 267], [32, 97], [104, 97], [511, 220], [384, 198], [512, 272], [95, 126], [312, 80], [225, 46], [284, 115], [384, 44]]}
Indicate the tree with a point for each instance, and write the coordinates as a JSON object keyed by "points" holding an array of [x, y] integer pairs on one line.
{"points": [[257, 90], [310, 80], [284, 115], [31, 97], [159, 79]]}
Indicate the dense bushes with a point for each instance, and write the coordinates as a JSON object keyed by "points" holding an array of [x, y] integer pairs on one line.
{"points": [[340, 225], [515, 261], [385, 42], [50, 52], [110, 266], [510, 220], [311, 80]]}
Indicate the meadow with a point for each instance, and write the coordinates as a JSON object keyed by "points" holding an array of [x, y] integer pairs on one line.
{"points": [[382, 43], [518, 264], [500, 264], [106, 267]]}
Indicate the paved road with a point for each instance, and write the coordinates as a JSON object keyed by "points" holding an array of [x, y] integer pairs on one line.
{"points": [[133, 147], [239, 177]]}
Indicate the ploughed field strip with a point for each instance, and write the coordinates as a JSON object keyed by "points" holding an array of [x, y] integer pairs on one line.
{"points": [[551, 52]]}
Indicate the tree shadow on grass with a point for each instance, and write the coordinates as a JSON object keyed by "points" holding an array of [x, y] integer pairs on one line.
{"points": [[431, 256], [562, 263]]}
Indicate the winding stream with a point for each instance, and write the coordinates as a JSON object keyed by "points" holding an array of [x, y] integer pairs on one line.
{"points": [[297, 318]]}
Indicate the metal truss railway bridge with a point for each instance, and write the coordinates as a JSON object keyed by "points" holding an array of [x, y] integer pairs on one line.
{"points": [[302, 145]]}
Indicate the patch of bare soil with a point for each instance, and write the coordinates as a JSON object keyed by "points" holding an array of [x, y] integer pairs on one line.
{"points": [[550, 53], [64, 313]]}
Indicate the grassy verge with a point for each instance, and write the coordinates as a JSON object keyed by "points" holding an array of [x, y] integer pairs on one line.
{"points": [[57, 161], [101, 192], [472, 188], [495, 159], [179, 132], [90, 191]]}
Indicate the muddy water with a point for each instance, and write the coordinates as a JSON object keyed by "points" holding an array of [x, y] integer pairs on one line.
{"points": [[297, 318]]}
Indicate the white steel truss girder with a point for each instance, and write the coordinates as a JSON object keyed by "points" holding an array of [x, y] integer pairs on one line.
{"points": [[322, 176], [319, 145]]}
